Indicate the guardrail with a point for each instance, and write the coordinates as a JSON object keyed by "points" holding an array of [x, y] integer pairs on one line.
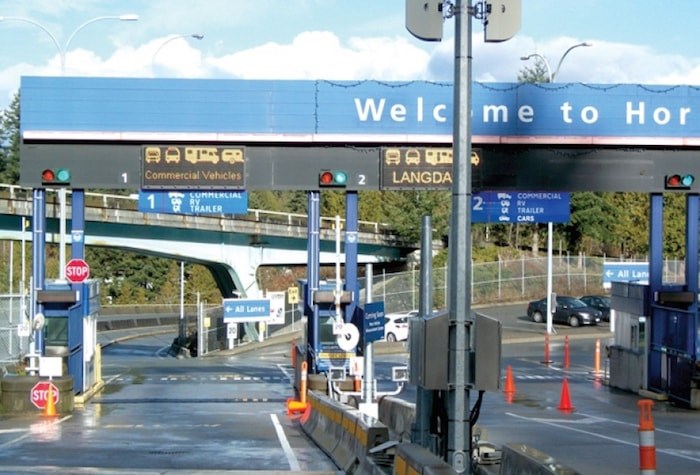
{"points": [[130, 203]]}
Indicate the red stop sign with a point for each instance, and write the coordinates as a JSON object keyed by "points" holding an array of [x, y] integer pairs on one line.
{"points": [[77, 270], [40, 394]]}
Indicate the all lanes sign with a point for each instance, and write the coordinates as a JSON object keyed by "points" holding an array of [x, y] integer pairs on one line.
{"points": [[246, 310], [625, 272]]}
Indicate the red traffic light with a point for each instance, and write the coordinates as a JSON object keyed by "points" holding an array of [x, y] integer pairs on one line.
{"points": [[59, 176], [333, 178], [678, 182]]}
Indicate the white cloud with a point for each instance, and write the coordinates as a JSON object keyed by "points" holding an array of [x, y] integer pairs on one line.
{"points": [[323, 55]]}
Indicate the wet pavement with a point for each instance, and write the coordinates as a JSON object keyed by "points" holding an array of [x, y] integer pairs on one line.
{"points": [[160, 414]]}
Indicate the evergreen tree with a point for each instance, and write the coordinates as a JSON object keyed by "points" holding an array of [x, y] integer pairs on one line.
{"points": [[9, 143]]}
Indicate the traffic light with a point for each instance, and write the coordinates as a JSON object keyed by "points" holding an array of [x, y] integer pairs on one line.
{"points": [[57, 177], [333, 178], [679, 182]]}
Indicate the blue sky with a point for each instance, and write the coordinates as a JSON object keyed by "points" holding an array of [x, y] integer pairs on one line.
{"points": [[633, 41]]}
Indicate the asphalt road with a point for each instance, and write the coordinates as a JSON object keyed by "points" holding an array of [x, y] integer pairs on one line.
{"points": [[226, 413], [160, 414]]}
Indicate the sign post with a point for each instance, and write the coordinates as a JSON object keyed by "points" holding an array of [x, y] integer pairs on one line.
{"points": [[77, 271]]}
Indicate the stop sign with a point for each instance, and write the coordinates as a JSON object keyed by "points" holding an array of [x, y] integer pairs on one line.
{"points": [[77, 270], [40, 394]]}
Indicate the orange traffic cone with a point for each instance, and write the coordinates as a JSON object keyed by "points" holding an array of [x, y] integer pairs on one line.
{"points": [[565, 400], [50, 408], [509, 389], [510, 384]]}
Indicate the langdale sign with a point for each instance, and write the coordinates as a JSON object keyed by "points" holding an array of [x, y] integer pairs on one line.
{"points": [[279, 135]]}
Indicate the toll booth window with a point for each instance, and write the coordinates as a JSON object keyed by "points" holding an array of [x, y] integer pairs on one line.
{"points": [[325, 331], [56, 332]]}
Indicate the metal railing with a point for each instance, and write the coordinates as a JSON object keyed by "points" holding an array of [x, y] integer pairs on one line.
{"points": [[19, 194]]}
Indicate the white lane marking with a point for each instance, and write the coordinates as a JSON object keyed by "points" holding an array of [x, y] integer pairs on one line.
{"points": [[656, 429], [291, 458], [600, 436], [35, 428], [287, 374]]}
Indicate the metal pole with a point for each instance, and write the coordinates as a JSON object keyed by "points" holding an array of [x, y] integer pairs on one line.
{"points": [[460, 315], [200, 327], [368, 384], [550, 304], [181, 332], [424, 397]]}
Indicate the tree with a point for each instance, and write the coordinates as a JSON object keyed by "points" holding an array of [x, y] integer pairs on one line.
{"points": [[405, 210], [9, 143], [592, 218], [534, 74]]}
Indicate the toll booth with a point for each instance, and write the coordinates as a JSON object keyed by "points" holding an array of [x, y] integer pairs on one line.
{"points": [[629, 353], [321, 311], [70, 329]]}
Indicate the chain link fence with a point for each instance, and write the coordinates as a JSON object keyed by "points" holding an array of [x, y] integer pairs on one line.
{"points": [[502, 281], [506, 281], [13, 316]]}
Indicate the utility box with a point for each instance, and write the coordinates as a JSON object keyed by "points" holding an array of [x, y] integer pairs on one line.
{"points": [[429, 353], [428, 360]]}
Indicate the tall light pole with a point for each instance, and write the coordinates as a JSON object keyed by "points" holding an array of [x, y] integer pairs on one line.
{"points": [[196, 36], [551, 76], [62, 52]]}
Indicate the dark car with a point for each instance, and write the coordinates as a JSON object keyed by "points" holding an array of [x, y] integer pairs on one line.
{"points": [[599, 302], [568, 310]]}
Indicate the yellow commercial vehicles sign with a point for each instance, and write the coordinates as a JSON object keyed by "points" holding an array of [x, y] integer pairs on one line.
{"points": [[193, 167], [421, 168]]}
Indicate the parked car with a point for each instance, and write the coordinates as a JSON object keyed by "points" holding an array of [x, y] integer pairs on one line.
{"points": [[599, 302], [568, 310], [396, 325]]}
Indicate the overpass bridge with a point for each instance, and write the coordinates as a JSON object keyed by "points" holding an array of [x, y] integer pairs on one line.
{"points": [[231, 246]]}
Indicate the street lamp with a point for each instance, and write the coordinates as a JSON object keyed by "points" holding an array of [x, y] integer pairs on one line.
{"points": [[196, 36], [550, 228], [62, 51], [552, 75]]}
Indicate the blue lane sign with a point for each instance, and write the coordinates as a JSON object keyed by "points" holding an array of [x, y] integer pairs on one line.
{"points": [[625, 272], [246, 310], [520, 207], [194, 202], [374, 322]]}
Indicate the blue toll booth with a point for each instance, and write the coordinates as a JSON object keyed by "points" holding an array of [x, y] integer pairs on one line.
{"points": [[322, 346], [70, 329], [657, 339]]}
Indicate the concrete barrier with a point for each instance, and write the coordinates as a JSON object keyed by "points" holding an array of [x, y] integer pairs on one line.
{"points": [[15, 395], [399, 416], [523, 460], [413, 459], [342, 432]]}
